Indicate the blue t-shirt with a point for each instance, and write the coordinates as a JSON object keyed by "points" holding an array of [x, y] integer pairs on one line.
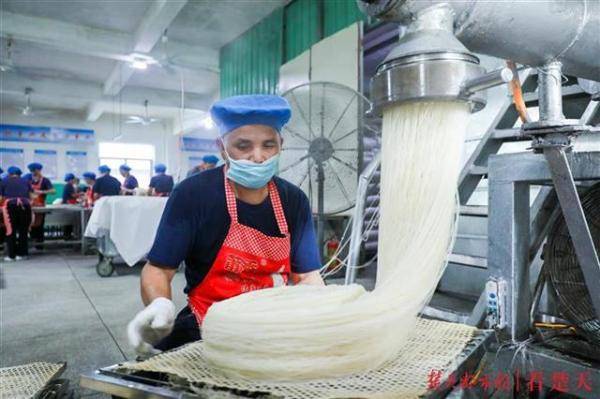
{"points": [[107, 185], [130, 182], [162, 183], [45, 183], [15, 187], [69, 193], [195, 223]]}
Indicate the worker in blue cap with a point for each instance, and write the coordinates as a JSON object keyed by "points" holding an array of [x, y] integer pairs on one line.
{"points": [[42, 186], [130, 183], [16, 195], [70, 191], [88, 198], [208, 162], [238, 227], [161, 184], [106, 185]]}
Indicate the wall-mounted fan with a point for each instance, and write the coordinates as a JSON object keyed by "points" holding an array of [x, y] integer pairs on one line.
{"points": [[143, 120]]}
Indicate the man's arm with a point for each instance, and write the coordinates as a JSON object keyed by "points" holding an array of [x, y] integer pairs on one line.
{"points": [[155, 282], [156, 320]]}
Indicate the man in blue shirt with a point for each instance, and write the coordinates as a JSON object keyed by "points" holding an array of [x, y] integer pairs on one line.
{"points": [[161, 184], [237, 227], [106, 185], [70, 191], [42, 186], [208, 162], [17, 193], [130, 183]]}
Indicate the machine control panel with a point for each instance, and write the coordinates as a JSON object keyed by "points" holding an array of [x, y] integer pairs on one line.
{"points": [[496, 290]]}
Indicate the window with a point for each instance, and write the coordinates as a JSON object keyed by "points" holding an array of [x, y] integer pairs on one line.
{"points": [[140, 157]]}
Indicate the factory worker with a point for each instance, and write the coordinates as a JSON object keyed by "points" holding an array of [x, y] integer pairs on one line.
{"points": [[88, 198], [208, 162], [70, 192], [41, 188], [238, 228], [161, 184], [106, 185], [130, 183], [16, 194]]}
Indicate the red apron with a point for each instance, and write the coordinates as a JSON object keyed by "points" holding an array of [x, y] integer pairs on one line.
{"points": [[21, 202], [38, 200], [248, 260], [73, 200], [89, 197]]}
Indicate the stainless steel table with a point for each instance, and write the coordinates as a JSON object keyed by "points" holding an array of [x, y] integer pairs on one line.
{"points": [[83, 214]]}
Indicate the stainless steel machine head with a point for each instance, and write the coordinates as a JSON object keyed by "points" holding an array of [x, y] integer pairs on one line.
{"points": [[429, 63]]}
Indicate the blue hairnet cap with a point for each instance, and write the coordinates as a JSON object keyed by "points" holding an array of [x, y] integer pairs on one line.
{"points": [[103, 169], [256, 109], [89, 175], [69, 176], [27, 176], [14, 170], [35, 166], [210, 159], [160, 168], [125, 167]]}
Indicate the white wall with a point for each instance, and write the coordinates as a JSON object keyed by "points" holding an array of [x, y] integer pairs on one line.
{"points": [[333, 59], [105, 129]]}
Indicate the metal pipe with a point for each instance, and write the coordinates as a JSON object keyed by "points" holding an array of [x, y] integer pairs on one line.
{"points": [[528, 32], [484, 82], [550, 92], [357, 218]]}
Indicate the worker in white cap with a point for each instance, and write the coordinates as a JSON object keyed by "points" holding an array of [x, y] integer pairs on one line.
{"points": [[238, 228]]}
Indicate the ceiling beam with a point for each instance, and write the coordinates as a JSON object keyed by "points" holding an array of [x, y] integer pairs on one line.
{"points": [[84, 40], [91, 94], [94, 111], [157, 18]]}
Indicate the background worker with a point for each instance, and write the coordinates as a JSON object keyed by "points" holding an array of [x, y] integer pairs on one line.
{"points": [[16, 194], [208, 162], [88, 198], [106, 185], [70, 191], [238, 228], [41, 186], [130, 183], [161, 184]]}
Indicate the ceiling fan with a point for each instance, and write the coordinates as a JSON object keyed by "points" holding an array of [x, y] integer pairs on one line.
{"points": [[7, 65], [143, 120], [28, 110]]}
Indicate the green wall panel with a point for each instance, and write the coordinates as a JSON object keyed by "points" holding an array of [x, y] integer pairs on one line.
{"points": [[302, 26], [338, 14], [250, 63]]}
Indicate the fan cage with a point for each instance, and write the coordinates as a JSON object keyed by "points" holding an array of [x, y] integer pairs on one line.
{"points": [[565, 273]]}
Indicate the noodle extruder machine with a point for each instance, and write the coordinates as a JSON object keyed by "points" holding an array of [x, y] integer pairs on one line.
{"points": [[436, 61]]}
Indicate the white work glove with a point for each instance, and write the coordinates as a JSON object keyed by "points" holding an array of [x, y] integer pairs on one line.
{"points": [[151, 325]]}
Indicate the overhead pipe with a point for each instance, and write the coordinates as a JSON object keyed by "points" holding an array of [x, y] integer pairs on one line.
{"points": [[528, 32]]}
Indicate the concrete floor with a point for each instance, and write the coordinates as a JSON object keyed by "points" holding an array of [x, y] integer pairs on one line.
{"points": [[55, 308]]}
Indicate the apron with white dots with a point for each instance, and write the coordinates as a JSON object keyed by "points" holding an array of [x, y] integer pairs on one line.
{"points": [[248, 259]]}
